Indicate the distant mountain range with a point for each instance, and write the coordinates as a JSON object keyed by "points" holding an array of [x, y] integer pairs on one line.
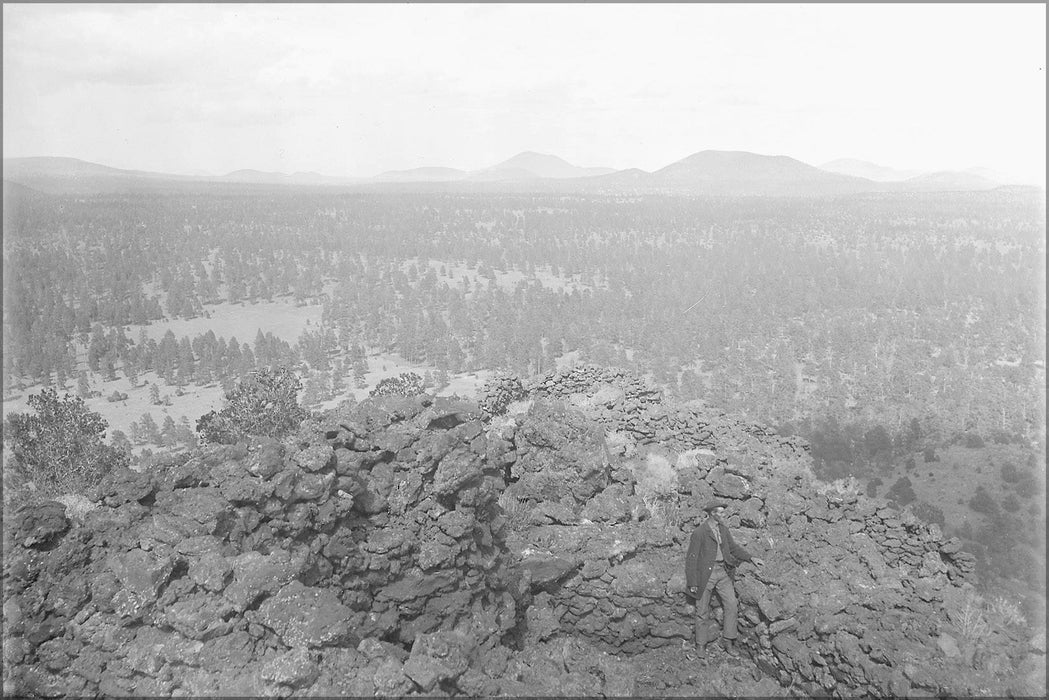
{"points": [[868, 170], [969, 179], [268, 178], [44, 170], [529, 165], [723, 173], [743, 173]]}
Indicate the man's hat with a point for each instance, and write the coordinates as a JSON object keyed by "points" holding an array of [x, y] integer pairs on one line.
{"points": [[711, 505]]}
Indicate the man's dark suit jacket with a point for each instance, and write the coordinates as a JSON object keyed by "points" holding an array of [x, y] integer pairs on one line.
{"points": [[703, 550]]}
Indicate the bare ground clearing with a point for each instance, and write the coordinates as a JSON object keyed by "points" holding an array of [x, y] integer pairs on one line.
{"points": [[243, 321]]}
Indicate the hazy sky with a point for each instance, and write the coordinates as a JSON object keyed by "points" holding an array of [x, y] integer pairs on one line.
{"points": [[358, 89]]}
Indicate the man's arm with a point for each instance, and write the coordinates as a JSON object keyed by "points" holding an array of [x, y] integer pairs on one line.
{"points": [[738, 551], [692, 559]]}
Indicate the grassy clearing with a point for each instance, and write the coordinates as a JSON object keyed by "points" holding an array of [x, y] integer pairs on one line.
{"points": [[286, 321], [243, 321], [282, 318]]}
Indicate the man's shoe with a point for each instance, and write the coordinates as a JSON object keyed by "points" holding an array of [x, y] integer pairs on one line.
{"points": [[730, 648]]}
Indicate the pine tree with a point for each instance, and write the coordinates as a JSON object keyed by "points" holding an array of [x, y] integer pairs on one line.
{"points": [[186, 362], [169, 432], [137, 435], [312, 391], [109, 365], [262, 350], [150, 429], [186, 435], [166, 358], [248, 364], [234, 359], [120, 441], [338, 381], [82, 387], [97, 347]]}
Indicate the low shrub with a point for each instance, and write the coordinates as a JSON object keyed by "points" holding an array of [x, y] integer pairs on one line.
{"points": [[972, 441], [61, 447], [982, 502], [972, 622], [263, 404], [656, 477], [902, 492], [928, 513], [404, 384], [1028, 485], [1010, 474], [1007, 612], [978, 616]]}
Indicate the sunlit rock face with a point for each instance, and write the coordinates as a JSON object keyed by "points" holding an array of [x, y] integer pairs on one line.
{"points": [[408, 547]]}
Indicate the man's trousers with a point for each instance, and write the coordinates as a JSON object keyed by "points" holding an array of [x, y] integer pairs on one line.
{"points": [[721, 582]]}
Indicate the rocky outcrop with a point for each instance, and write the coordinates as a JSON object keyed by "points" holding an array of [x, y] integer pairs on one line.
{"points": [[556, 456], [836, 562], [241, 571], [405, 547], [616, 399], [848, 579]]}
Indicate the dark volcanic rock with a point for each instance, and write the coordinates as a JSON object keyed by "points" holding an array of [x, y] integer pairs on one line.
{"points": [[545, 570], [200, 617], [310, 567], [561, 455], [256, 575], [38, 525], [141, 573], [306, 617], [438, 658]]}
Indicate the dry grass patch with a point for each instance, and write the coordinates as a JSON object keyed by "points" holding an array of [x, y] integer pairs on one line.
{"points": [[656, 484], [283, 319]]}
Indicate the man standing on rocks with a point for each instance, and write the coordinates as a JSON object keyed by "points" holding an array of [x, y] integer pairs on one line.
{"points": [[712, 557]]}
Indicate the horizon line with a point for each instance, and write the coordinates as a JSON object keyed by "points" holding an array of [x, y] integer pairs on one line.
{"points": [[1011, 178]]}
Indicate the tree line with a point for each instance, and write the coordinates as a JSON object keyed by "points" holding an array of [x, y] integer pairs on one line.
{"points": [[877, 309]]}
